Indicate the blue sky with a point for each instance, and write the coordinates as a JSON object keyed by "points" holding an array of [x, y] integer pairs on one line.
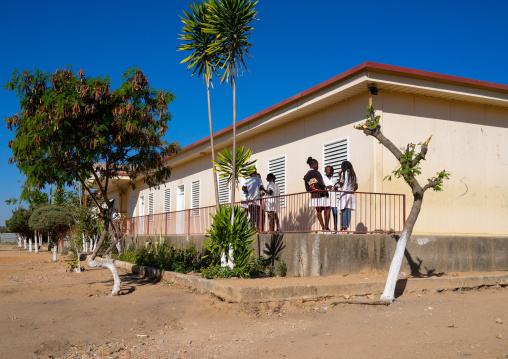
{"points": [[297, 44]]}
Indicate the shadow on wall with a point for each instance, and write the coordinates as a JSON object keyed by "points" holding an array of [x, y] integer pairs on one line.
{"points": [[274, 248], [416, 266]]}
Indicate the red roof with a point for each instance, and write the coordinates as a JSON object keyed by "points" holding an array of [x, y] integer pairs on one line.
{"points": [[365, 66]]}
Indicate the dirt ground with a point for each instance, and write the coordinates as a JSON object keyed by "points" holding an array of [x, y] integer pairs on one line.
{"points": [[47, 312]]}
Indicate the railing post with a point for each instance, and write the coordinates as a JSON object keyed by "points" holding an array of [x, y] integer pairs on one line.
{"points": [[188, 220], [404, 210], [148, 224]]}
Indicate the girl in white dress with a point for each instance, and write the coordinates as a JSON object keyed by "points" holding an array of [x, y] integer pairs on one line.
{"points": [[348, 183]]}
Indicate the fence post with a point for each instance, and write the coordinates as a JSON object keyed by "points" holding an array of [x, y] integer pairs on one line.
{"points": [[404, 210]]}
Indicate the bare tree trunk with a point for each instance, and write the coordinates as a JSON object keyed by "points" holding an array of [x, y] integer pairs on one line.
{"points": [[393, 273], [215, 184], [108, 263], [233, 167]]}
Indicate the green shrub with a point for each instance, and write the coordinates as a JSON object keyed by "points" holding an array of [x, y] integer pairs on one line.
{"points": [[222, 235], [163, 256]]}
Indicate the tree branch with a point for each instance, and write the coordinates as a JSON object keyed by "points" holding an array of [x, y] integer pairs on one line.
{"points": [[431, 184]]}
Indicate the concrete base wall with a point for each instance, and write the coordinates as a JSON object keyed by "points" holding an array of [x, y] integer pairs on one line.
{"points": [[307, 254]]}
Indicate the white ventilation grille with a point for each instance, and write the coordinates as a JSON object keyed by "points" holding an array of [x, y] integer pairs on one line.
{"points": [[334, 153], [277, 166], [150, 206], [167, 203], [223, 190], [195, 198]]}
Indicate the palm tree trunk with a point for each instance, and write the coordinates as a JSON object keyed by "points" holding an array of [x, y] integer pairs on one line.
{"points": [[233, 177], [215, 184]]}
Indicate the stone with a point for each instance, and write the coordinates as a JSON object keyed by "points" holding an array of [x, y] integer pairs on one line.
{"points": [[370, 296], [499, 321], [109, 351], [346, 296], [499, 336], [125, 354]]}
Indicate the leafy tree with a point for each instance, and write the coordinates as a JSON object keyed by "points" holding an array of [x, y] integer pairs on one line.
{"points": [[53, 220], [3, 229], [202, 60], [229, 21], [32, 196], [409, 166], [18, 223], [73, 127]]}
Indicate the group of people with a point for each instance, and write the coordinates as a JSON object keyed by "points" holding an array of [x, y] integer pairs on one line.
{"points": [[324, 200], [328, 195], [252, 190]]}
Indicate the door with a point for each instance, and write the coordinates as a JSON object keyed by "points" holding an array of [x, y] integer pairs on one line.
{"points": [[180, 207], [141, 212]]}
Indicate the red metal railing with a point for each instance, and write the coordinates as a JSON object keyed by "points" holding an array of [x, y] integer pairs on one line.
{"points": [[299, 212]]}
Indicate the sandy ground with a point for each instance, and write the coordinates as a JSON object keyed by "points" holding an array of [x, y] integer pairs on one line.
{"points": [[46, 312]]}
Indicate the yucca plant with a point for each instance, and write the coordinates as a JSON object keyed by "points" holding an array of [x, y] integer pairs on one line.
{"points": [[223, 235], [243, 168]]}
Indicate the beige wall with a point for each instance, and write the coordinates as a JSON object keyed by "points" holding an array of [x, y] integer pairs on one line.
{"points": [[469, 141]]}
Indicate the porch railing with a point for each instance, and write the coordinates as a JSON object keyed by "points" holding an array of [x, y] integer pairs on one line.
{"points": [[292, 213]]}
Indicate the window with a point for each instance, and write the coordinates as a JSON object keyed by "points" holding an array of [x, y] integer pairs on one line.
{"points": [[195, 200], [334, 153], [150, 206], [223, 190], [167, 203], [277, 166]]}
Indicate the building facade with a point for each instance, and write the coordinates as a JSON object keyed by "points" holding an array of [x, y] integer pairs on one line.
{"points": [[467, 118]]}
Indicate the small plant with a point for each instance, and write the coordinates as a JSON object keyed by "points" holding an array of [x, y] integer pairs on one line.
{"points": [[282, 269], [65, 250]]}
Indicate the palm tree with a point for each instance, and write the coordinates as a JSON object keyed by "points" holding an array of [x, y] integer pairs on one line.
{"points": [[202, 60], [229, 22]]}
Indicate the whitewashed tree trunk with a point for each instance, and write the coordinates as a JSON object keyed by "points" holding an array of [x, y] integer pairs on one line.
{"points": [[40, 239], [94, 243], [24, 242], [108, 263], [85, 242], [19, 241], [29, 245], [393, 273], [36, 245], [90, 247], [55, 249], [78, 269]]}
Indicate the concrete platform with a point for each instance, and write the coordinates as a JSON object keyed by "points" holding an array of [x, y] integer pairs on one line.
{"points": [[307, 288]]}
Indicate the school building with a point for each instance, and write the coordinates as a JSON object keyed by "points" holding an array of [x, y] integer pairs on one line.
{"points": [[467, 118]]}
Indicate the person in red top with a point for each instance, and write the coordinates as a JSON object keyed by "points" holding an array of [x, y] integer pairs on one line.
{"points": [[319, 197]]}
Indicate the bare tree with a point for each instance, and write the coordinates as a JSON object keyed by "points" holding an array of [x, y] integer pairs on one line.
{"points": [[409, 160]]}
